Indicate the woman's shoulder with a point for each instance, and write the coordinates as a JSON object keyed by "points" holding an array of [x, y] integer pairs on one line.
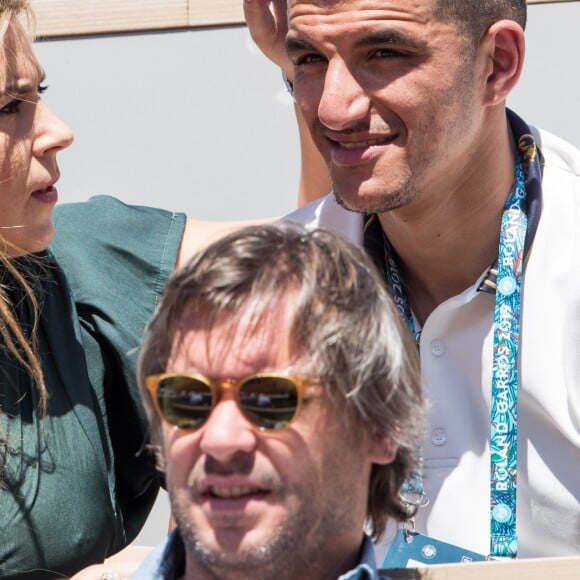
{"points": [[101, 213]]}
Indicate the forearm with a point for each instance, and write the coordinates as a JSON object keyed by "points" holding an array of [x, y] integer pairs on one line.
{"points": [[314, 177]]}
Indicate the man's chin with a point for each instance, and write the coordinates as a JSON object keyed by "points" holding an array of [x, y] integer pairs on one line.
{"points": [[373, 202], [355, 203], [230, 550], [231, 541], [341, 201]]}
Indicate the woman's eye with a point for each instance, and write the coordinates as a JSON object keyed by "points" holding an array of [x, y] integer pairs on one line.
{"points": [[12, 108]]}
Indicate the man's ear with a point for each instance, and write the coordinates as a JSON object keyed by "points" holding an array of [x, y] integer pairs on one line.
{"points": [[383, 448], [503, 47]]}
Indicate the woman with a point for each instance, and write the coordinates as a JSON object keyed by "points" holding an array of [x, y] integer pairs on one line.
{"points": [[76, 483]]}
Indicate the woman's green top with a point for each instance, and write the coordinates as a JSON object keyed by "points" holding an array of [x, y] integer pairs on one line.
{"points": [[78, 485]]}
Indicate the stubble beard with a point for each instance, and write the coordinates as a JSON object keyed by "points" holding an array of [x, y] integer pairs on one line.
{"points": [[264, 561], [300, 547], [277, 556], [384, 201], [401, 188]]}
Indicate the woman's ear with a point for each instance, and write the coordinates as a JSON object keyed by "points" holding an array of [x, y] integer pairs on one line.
{"points": [[503, 47], [383, 448]]}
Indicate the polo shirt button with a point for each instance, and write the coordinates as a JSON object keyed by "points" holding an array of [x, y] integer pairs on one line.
{"points": [[437, 348], [438, 436]]}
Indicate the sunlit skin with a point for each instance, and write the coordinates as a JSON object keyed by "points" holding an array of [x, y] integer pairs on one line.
{"points": [[261, 505], [412, 126], [31, 136], [386, 95]]}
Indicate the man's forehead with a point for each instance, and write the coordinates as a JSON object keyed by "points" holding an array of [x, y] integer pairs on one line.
{"points": [[395, 9], [234, 343], [226, 335]]}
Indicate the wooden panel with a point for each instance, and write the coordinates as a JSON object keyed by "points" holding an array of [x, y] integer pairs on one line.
{"points": [[215, 12], [528, 569], [74, 17]]}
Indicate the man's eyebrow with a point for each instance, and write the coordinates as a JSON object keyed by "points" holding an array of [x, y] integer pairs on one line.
{"points": [[383, 37], [395, 37], [297, 44]]}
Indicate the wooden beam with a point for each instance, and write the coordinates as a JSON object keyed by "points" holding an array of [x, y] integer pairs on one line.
{"points": [[215, 12], [76, 17], [528, 569]]}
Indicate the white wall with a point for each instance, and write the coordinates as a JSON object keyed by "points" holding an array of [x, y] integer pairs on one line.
{"points": [[548, 93], [193, 120], [199, 121]]}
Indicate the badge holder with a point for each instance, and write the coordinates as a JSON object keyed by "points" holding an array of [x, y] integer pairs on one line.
{"points": [[411, 549]]}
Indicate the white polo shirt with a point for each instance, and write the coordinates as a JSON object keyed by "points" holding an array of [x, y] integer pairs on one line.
{"points": [[456, 363]]}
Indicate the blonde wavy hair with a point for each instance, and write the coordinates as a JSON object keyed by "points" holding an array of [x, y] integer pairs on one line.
{"points": [[13, 338]]}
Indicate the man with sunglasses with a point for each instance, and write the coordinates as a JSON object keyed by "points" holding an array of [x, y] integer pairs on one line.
{"points": [[285, 406]]}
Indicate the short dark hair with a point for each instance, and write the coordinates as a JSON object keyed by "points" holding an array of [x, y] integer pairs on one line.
{"points": [[474, 17], [345, 328]]}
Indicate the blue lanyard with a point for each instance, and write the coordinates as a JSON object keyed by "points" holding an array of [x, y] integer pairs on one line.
{"points": [[398, 292], [507, 314], [504, 383]]}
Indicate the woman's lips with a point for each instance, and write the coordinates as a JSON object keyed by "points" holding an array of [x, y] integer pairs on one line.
{"points": [[47, 195]]}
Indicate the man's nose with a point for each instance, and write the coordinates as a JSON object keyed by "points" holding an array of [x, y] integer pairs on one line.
{"points": [[227, 432], [343, 100]]}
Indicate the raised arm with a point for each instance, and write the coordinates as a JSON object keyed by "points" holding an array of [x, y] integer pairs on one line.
{"points": [[198, 234], [267, 23]]}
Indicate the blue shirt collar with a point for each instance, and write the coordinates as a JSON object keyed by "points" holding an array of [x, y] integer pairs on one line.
{"points": [[167, 562], [366, 568]]}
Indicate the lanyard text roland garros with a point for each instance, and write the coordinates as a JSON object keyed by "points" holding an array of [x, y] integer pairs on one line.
{"points": [[504, 383]]}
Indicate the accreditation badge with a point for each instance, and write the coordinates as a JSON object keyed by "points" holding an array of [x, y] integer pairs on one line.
{"points": [[411, 550]]}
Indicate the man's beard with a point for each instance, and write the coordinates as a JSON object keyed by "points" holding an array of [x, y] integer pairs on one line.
{"points": [[278, 556], [387, 201]]}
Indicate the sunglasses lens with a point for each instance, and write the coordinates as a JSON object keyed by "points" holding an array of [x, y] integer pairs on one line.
{"points": [[269, 402], [185, 402]]}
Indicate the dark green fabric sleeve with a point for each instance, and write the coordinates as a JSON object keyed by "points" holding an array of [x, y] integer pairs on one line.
{"points": [[116, 259], [77, 484]]}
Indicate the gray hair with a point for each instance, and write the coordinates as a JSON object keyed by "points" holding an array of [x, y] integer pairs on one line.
{"points": [[345, 327]]}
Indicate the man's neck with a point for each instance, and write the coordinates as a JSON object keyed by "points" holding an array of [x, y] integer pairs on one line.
{"points": [[446, 239]]}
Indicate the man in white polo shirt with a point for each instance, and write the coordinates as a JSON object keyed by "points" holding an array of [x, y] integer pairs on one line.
{"points": [[473, 219]]}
